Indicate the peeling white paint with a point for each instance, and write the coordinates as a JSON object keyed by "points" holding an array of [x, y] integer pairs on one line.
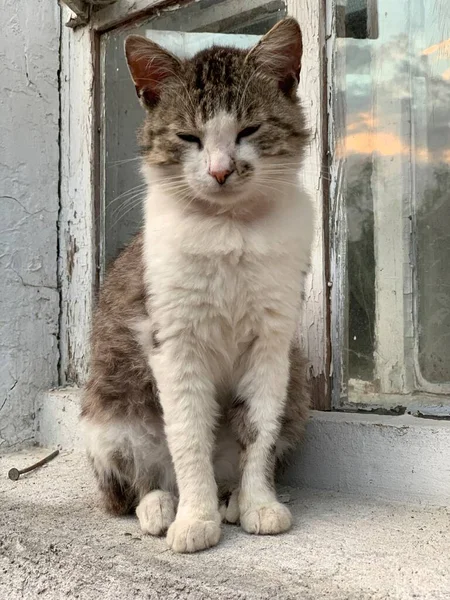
{"points": [[29, 156], [116, 13], [77, 222], [313, 326]]}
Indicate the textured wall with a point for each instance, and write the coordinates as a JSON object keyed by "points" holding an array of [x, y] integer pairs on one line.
{"points": [[29, 302]]}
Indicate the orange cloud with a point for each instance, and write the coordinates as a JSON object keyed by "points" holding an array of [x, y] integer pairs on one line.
{"points": [[446, 75], [443, 48], [364, 120], [363, 137], [383, 144]]}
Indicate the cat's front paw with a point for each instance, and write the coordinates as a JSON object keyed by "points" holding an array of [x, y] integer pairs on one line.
{"points": [[192, 535], [155, 512], [268, 519]]}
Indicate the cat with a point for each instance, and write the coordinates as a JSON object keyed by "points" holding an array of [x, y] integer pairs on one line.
{"points": [[197, 387]]}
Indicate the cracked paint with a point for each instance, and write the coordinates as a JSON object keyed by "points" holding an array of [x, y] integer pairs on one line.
{"points": [[29, 171]]}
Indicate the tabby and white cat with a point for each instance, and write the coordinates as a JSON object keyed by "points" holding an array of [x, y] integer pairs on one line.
{"points": [[197, 386]]}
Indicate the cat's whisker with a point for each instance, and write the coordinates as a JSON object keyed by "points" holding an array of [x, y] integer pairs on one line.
{"points": [[179, 190], [181, 199], [124, 161], [169, 185], [264, 186], [308, 170], [137, 202], [124, 206], [281, 171], [121, 214], [140, 189], [295, 163], [166, 179], [299, 173], [191, 199], [139, 196], [129, 192], [281, 181], [297, 169]]}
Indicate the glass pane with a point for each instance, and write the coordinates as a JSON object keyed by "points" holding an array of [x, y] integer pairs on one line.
{"points": [[122, 186], [353, 86], [391, 90], [431, 121]]}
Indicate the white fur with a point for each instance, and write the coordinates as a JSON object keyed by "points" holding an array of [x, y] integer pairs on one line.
{"points": [[143, 443], [225, 300]]}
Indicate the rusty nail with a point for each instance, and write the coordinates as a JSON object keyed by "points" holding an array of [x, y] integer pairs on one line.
{"points": [[14, 474]]}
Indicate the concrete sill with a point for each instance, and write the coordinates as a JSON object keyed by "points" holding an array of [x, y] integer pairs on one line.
{"points": [[56, 542], [392, 457]]}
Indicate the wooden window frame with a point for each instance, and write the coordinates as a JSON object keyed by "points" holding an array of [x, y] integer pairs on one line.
{"points": [[79, 254]]}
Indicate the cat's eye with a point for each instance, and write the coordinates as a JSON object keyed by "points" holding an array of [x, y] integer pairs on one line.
{"points": [[247, 132], [192, 139]]}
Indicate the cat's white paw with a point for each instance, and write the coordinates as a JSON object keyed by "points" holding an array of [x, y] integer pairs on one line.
{"points": [[156, 511], [268, 519], [230, 511], [192, 535]]}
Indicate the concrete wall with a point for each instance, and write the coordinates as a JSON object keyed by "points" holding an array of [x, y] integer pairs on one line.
{"points": [[29, 168]]}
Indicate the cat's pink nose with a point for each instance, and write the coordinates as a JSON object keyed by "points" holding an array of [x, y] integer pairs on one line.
{"points": [[220, 175]]}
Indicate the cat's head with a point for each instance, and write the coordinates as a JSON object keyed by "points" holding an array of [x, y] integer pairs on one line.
{"points": [[226, 123]]}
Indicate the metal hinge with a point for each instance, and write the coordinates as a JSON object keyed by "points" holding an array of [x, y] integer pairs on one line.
{"points": [[82, 10]]}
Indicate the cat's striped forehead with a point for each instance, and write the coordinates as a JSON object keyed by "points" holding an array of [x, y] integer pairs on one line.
{"points": [[218, 78]]}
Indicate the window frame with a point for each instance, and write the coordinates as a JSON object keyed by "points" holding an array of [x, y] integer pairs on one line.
{"points": [[80, 171]]}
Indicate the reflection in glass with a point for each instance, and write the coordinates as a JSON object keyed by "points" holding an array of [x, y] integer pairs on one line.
{"points": [[392, 81]]}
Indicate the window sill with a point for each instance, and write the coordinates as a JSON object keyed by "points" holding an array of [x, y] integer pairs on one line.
{"points": [[418, 404], [401, 458]]}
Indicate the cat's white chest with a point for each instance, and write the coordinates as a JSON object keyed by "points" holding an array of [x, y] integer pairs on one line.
{"points": [[226, 281]]}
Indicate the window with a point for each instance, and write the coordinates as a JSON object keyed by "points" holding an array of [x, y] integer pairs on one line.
{"points": [[390, 90]]}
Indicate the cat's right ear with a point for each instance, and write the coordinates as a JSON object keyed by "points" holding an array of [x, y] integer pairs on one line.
{"points": [[150, 66]]}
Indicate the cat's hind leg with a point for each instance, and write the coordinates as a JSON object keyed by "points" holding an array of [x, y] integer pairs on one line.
{"points": [[226, 471], [133, 468], [229, 507]]}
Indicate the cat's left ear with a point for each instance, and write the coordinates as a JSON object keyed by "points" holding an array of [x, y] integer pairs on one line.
{"points": [[279, 54]]}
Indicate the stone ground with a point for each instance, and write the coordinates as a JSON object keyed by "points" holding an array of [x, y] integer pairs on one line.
{"points": [[55, 542]]}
